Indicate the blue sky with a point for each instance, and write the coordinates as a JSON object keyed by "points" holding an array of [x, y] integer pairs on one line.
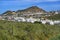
{"points": [[14, 5]]}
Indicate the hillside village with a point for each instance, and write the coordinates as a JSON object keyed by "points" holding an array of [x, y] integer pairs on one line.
{"points": [[31, 14]]}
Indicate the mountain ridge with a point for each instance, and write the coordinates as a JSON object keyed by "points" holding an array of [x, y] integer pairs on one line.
{"points": [[32, 9]]}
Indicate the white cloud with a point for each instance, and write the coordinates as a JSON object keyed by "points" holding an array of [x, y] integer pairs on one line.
{"points": [[52, 0], [22, 2], [37, 0], [31, 0]]}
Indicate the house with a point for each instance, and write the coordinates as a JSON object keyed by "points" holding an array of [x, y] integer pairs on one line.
{"points": [[19, 19], [43, 21], [56, 12], [51, 23], [57, 21], [47, 22], [32, 20]]}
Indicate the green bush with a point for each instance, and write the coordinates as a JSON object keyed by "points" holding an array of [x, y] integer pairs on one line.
{"points": [[10, 30]]}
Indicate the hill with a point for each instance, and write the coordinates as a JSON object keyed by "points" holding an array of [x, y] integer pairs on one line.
{"points": [[9, 13], [31, 10], [27, 31]]}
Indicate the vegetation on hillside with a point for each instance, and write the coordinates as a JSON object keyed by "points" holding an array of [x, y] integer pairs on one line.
{"points": [[27, 31], [54, 17]]}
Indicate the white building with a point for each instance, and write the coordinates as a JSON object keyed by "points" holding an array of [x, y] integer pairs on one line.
{"points": [[47, 21], [57, 22], [19, 19], [32, 20], [56, 12], [50, 22], [43, 21]]}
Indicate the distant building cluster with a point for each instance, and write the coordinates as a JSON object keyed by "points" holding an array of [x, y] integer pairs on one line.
{"points": [[32, 14], [31, 19]]}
